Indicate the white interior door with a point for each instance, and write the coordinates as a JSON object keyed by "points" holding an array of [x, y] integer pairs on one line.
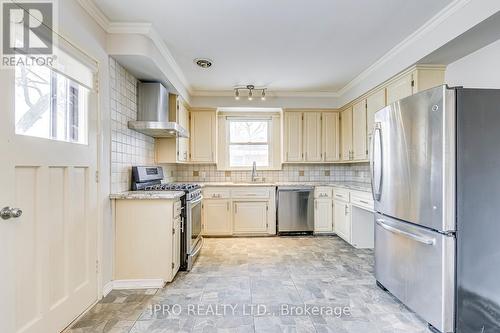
{"points": [[48, 254]]}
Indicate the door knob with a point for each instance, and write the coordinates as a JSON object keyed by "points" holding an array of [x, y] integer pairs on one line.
{"points": [[7, 213]]}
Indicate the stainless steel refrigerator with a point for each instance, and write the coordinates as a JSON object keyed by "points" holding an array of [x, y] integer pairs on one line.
{"points": [[435, 162]]}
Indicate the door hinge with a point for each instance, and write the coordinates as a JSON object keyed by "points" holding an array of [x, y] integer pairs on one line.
{"points": [[97, 266], [173, 231], [173, 265], [267, 207], [413, 83], [97, 176]]}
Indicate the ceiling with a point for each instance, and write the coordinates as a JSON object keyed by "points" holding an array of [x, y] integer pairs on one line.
{"points": [[285, 45]]}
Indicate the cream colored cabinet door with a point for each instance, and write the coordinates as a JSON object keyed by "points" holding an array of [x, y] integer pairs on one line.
{"points": [[401, 88], [202, 134], [342, 219], [250, 217], [293, 137], [330, 129], [217, 217], [183, 119], [312, 137], [346, 129], [374, 103], [359, 148], [323, 215], [176, 246]]}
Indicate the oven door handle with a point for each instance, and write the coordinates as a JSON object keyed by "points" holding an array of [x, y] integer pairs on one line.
{"points": [[195, 202], [198, 248]]}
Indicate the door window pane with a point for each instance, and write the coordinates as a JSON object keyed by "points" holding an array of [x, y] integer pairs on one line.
{"points": [[50, 105]]}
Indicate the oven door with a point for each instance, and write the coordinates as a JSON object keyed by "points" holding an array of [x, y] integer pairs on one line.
{"points": [[193, 225]]}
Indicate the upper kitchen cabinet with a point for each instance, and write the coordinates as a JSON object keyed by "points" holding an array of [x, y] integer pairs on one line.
{"points": [[346, 130], [293, 137], [203, 135], [312, 137], [374, 103], [359, 143], [174, 150], [415, 80], [331, 136]]}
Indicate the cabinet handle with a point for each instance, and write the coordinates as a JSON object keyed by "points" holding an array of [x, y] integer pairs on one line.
{"points": [[363, 201]]}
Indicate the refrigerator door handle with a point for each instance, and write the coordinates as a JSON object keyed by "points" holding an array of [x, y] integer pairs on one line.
{"points": [[376, 166], [420, 239]]}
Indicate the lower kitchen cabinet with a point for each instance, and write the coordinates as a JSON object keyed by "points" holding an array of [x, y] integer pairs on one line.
{"points": [[217, 217], [147, 241], [239, 210], [323, 216], [250, 217], [342, 219]]}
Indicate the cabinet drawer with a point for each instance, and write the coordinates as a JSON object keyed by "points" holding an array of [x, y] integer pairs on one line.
{"points": [[256, 192], [216, 193], [341, 194], [323, 192], [362, 199], [177, 208]]}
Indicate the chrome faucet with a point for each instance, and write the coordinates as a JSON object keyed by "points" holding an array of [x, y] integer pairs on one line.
{"points": [[254, 171]]}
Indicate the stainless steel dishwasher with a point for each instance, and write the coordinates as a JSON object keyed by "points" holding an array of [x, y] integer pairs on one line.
{"points": [[295, 209]]}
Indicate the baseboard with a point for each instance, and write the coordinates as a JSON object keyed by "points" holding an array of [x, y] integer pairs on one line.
{"points": [[138, 284], [106, 289]]}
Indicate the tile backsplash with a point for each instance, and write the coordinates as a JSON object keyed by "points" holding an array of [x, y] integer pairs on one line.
{"points": [[128, 147], [289, 173]]}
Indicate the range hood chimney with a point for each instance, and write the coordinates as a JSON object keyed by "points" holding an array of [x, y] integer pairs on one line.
{"points": [[152, 113]]}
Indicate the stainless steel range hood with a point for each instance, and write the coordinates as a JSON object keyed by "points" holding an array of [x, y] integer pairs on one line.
{"points": [[152, 113]]}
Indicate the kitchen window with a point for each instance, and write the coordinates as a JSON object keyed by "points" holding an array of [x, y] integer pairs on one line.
{"points": [[249, 141]]}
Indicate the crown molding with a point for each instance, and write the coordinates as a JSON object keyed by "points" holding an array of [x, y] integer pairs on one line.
{"points": [[141, 28], [416, 35], [148, 30], [96, 13]]}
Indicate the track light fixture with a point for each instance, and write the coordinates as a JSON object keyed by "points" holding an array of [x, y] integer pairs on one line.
{"points": [[250, 88]]}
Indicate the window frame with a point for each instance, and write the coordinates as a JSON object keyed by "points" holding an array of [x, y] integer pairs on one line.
{"points": [[269, 142]]}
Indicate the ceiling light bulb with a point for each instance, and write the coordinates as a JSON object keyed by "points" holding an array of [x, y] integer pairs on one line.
{"points": [[263, 96], [250, 95], [237, 94]]}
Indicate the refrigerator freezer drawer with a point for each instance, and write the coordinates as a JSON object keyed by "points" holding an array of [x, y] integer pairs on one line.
{"points": [[417, 266]]}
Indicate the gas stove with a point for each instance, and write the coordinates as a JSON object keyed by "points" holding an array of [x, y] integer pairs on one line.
{"points": [[146, 178], [193, 191]]}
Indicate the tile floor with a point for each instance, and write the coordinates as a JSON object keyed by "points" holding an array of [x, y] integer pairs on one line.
{"points": [[285, 284]]}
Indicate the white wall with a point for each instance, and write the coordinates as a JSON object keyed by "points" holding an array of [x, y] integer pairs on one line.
{"points": [[480, 69]]}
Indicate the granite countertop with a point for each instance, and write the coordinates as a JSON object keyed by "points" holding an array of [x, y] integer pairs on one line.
{"points": [[348, 185], [147, 195]]}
